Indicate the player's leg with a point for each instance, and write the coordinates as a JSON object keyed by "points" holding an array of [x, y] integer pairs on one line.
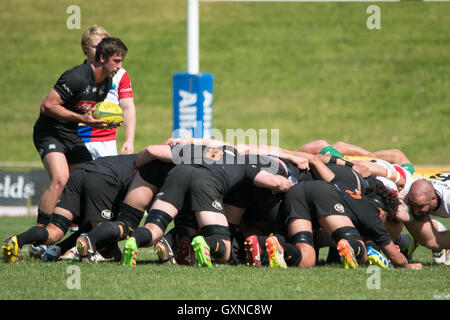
{"points": [[349, 242], [350, 149], [301, 235], [214, 239], [55, 163], [314, 147]]}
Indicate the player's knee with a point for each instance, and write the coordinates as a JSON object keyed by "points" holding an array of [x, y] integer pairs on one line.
{"points": [[58, 226], [130, 218], [218, 239], [58, 182], [158, 218], [354, 239], [304, 242]]}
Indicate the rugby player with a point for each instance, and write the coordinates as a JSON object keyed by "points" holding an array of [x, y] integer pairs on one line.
{"points": [[207, 174], [91, 196], [68, 103], [102, 142]]}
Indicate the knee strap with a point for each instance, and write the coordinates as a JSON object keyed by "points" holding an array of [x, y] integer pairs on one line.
{"points": [[346, 233], [61, 222], [303, 237], [160, 218], [214, 229], [129, 215], [43, 218]]}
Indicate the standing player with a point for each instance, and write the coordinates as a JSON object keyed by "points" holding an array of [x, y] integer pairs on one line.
{"points": [[102, 142], [68, 103]]}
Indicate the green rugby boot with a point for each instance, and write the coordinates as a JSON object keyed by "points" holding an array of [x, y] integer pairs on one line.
{"points": [[202, 252]]}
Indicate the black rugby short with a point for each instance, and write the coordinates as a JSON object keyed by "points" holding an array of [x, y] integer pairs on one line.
{"points": [[311, 199], [155, 172], [74, 149], [205, 189], [91, 196]]}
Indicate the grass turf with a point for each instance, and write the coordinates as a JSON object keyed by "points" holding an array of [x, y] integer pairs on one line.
{"points": [[30, 279]]}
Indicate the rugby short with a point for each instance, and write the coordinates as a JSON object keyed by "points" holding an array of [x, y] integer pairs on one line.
{"points": [[310, 200], [204, 188], [155, 172], [74, 149], [91, 196]]}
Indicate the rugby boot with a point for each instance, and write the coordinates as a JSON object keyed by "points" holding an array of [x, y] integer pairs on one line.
{"points": [[252, 251], [10, 250], [71, 254], [51, 254], [202, 252], [377, 258], [441, 257], [275, 252], [129, 255], [165, 252], [347, 254], [37, 251], [85, 248]]}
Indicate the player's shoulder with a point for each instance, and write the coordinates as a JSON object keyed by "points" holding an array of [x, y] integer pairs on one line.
{"points": [[119, 75]]}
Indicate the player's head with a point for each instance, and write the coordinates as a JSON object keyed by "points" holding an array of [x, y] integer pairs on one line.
{"points": [[422, 199], [384, 198], [110, 53], [90, 39], [109, 47]]}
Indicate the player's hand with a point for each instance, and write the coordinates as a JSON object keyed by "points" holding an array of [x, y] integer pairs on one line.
{"points": [[127, 148], [361, 169], [89, 120], [302, 163]]}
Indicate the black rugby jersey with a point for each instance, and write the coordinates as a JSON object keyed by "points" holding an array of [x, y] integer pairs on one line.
{"points": [[364, 214], [119, 167], [79, 91], [224, 162]]}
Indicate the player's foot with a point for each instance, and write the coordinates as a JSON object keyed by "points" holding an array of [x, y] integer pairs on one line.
{"points": [[275, 252], [51, 254], [37, 251], [252, 251], [85, 248], [71, 255], [184, 253], [10, 250], [129, 255], [377, 258], [408, 252], [164, 252], [202, 252], [347, 254], [441, 257]]}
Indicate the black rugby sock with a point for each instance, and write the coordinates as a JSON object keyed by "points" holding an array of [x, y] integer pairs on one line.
{"points": [[104, 233], [69, 242], [34, 235], [292, 254], [143, 237]]}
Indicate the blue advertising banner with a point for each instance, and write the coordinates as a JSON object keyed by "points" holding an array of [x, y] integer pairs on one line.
{"points": [[192, 105]]}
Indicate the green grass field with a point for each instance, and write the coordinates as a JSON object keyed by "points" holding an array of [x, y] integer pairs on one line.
{"points": [[311, 70], [31, 279]]}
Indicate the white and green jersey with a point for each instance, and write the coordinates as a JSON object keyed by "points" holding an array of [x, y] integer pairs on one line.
{"points": [[442, 190]]}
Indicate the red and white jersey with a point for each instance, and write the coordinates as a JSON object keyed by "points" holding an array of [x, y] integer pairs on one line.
{"points": [[120, 89]]}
